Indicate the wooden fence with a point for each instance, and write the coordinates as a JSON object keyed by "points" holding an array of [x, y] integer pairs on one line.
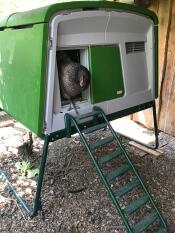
{"points": [[165, 9]]}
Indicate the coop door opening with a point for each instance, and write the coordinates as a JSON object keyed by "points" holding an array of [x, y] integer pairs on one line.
{"points": [[60, 102]]}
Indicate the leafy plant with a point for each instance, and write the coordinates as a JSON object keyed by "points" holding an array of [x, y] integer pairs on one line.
{"points": [[27, 169]]}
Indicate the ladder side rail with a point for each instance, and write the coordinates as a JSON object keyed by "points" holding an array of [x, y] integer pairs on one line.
{"points": [[132, 165], [68, 119]]}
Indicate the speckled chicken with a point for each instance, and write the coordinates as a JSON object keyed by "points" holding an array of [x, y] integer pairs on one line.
{"points": [[74, 78]]}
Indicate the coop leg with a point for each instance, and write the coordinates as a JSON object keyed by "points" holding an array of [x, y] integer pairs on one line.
{"points": [[155, 126], [37, 202], [67, 125]]}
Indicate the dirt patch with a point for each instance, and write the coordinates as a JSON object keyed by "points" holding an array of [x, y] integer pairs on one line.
{"points": [[73, 198]]}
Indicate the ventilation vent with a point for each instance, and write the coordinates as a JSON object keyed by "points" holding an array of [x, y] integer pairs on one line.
{"points": [[134, 47]]}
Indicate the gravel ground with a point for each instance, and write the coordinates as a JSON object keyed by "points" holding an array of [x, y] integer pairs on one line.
{"points": [[73, 199]]}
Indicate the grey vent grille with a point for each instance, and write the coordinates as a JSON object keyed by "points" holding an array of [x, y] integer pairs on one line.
{"points": [[134, 47]]}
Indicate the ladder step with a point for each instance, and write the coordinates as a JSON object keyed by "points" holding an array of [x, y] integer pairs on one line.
{"points": [[94, 128], [118, 172], [162, 230], [98, 117], [145, 222], [101, 142], [127, 188], [86, 115], [109, 157], [136, 205]]}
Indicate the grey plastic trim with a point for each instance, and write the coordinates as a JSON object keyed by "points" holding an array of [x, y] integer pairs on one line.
{"points": [[112, 27]]}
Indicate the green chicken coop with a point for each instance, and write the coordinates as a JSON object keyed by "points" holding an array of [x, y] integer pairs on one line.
{"points": [[117, 43]]}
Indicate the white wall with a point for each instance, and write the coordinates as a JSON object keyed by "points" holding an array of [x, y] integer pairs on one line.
{"points": [[10, 6]]}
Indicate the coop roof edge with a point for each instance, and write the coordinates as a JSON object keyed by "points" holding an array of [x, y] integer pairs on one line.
{"points": [[43, 14]]}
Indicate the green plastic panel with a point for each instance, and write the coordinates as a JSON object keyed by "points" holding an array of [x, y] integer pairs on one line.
{"points": [[44, 14], [106, 73], [23, 55]]}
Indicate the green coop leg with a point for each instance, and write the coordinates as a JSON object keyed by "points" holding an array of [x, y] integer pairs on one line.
{"points": [[156, 131], [67, 126], [37, 202]]}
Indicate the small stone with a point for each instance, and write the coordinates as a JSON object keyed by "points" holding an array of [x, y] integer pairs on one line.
{"points": [[52, 181]]}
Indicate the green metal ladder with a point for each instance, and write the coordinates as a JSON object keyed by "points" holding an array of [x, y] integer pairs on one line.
{"points": [[100, 121]]}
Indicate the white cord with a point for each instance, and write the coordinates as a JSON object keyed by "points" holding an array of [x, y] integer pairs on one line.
{"points": [[109, 16]]}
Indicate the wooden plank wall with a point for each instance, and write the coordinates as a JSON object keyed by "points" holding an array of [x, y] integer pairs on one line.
{"points": [[165, 9]]}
